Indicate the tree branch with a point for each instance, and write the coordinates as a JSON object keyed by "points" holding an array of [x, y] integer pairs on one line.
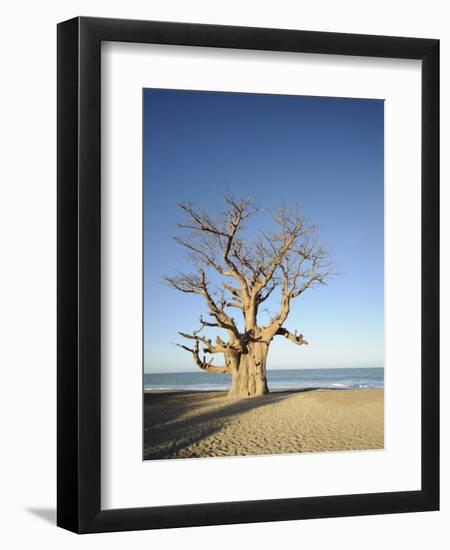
{"points": [[197, 284], [262, 296], [224, 232], [203, 363], [288, 258], [219, 347], [293, 337]]}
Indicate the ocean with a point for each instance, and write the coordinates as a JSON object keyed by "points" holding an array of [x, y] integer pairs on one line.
{"points": [[276, 379]]}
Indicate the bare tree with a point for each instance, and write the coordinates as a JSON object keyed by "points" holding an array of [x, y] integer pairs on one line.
{"points": [[288, 260]]}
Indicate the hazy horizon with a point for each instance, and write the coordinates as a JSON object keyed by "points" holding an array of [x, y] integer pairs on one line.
{"points": [[323, 153], [271, 367]]}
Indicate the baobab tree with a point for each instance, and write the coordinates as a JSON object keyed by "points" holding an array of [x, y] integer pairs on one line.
{"points": [[288, 260]]}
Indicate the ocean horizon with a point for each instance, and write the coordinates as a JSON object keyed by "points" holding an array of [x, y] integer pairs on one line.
{"points": [[277, 379]]}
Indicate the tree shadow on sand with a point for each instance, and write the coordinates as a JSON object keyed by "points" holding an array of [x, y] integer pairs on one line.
{"points": [[175, 421]]}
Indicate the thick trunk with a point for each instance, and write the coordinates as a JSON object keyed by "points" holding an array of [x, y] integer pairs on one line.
{"points": [[249, 374]]}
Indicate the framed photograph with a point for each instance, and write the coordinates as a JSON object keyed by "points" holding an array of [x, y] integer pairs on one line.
{"points": [[248, 275]]}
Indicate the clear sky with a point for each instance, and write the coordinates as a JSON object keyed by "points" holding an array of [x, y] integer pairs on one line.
{"points": [[325, 154]]}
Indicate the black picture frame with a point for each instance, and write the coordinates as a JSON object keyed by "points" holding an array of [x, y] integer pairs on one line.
{"points": [[79, 276]]}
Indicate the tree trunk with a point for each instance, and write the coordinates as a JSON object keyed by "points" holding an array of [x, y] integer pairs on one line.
{"points": [[249, 374]]}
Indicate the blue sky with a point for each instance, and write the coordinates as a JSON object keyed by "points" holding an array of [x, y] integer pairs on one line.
{"points": [[325, 154]]}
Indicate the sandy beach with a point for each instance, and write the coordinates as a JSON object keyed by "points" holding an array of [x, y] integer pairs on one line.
{"points": [[206, 424]]}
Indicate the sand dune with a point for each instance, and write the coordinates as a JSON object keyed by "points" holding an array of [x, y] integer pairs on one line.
{"points": [[206, 424]]}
